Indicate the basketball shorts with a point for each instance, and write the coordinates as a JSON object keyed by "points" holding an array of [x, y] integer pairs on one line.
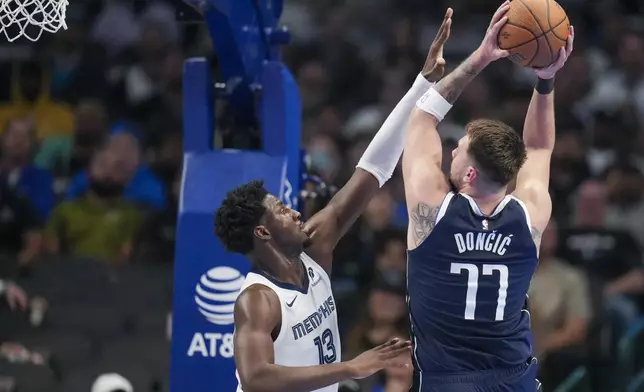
{"points": [[522, 378]]}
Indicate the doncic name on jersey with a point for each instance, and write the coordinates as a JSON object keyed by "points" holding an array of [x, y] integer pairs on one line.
{"points": [[215, 295]]}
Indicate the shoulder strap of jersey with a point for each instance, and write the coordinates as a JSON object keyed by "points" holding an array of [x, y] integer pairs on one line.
{"points": [[443, 208], [310, 263], [253, 279], [525, 211]]}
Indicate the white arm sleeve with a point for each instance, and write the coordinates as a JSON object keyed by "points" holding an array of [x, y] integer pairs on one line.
{"points": [[382, 155]]}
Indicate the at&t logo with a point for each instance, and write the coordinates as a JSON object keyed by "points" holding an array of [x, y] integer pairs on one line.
{"points": [[216, 292], [215, 295]]}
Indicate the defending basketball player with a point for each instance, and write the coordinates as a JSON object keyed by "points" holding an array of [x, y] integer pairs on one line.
{"points": [[472, 248], [286, 331]]}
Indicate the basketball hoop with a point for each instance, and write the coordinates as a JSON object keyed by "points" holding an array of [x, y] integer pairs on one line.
{"points": [[16, 16]]}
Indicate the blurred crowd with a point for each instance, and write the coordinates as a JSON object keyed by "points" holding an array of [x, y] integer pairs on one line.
{"points": [[90, 156]]}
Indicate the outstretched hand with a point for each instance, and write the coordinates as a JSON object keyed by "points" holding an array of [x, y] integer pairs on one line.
{"points": [[378, 358], [564, 53], [434, 67], [489, 49]]}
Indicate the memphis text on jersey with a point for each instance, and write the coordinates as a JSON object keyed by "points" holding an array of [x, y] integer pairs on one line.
{"points": [[313, 321], [493, 242]]}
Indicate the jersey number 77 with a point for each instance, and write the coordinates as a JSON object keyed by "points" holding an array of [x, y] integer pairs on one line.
{"points": [[472, 272]]}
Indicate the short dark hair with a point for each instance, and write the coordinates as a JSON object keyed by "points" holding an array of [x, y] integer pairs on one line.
{"points": [[497, 149], [239, 214]]}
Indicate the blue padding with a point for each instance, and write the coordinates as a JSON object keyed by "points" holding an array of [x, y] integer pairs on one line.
{"points": [[208, 177], [281, 118], [198, 103], [200, 360]]}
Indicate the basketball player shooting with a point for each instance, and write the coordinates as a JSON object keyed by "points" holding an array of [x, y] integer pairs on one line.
{"points": [[472, 250], [286, 330]]}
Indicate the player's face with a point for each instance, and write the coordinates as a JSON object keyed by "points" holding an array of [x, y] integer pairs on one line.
{"points": [[284, 224], [461, 164]]}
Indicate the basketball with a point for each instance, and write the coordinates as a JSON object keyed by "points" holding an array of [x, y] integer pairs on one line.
{"points": [[534, 33]]}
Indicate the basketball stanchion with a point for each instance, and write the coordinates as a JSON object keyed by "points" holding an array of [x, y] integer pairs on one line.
{"points": [[259, 89]]}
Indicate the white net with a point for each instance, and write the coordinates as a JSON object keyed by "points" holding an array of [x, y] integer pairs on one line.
{"points": [[29, 18]]}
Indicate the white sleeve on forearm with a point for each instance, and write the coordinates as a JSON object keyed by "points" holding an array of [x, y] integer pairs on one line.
{"points": [[382, 155]]}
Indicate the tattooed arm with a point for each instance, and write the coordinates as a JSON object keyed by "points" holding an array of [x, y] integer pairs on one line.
{"points": [[453, 84], [425, 184]]}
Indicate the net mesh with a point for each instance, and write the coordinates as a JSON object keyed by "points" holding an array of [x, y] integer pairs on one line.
{"points": [[29, 18]]}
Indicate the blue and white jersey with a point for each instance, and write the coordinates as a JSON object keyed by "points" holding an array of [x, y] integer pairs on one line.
{"points": [[467, 289], [309, 332]]}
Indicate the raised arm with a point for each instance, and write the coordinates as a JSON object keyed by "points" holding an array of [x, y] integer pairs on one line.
{"points": [[425, 184], [257, 317], [375, 167], [539, 137]]}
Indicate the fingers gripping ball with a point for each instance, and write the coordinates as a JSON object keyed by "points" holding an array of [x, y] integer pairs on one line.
{"points": [[534, 33]]}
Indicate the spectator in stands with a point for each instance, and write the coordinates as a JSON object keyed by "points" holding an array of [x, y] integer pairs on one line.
{"points": [[100, 223], [396, 379], [16, 168], [385, 314], [380, 210], [391, 250], [66, 155], [166, 160], [568, 169], [611, 256], [162, 114], [623, 83], [15, 296], [155, 241], [325, 157], [560, 312], [353, 267], [20, 226], [78, 67], [603, 151], [140, 81], [31, 98], [384, 318], [625, 187], [142, 185]]}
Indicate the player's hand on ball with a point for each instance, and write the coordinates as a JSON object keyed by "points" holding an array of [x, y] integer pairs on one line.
{"points": [[564, 53], [434, 67], [378, 358], [489, 49]]}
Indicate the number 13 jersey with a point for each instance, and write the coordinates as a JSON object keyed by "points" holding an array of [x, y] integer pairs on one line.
{"points": [[309, 333], [467, 289]]}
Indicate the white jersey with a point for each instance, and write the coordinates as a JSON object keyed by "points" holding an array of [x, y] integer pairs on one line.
{"points": [[309, 333]]}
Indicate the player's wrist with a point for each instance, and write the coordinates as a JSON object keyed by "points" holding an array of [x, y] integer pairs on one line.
{"points": [[349, 369], [545, 86], [434, 104], [479, 60], [422, 81]]}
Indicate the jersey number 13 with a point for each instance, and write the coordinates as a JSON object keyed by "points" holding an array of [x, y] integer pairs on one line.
{"points": [[472, 272], [326, 347]]}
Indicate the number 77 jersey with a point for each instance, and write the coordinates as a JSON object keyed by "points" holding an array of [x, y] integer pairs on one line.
{"points": [[467, 289]]}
